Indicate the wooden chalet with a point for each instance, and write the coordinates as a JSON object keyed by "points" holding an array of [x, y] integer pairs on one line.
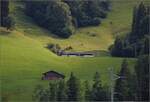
{"points": [[52, 75]]}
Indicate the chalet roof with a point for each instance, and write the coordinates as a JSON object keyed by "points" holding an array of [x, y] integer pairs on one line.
{"points": [[54, 73]]}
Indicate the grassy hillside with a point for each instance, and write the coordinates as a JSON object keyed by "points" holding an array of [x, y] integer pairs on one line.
{"points": [[24, 57], [24, 60]]}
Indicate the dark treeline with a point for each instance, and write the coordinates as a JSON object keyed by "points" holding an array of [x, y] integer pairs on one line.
{"points": [[72, 90], [126, 86], [137, 42], [61, 17], [5, 19], [4, 11]]}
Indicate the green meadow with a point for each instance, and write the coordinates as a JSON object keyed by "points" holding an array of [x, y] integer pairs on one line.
{"points": [[24, 60]]}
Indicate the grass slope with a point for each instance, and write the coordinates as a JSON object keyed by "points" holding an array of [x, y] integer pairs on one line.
{"points": [[24, 60], [23, 57]]}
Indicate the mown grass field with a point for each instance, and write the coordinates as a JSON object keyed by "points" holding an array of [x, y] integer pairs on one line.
{"points": [[23, 57]]}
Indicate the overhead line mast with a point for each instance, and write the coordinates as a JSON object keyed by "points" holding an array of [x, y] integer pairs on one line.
{"points": [[113, 78]]}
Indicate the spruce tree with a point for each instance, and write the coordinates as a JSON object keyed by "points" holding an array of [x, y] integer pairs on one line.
{"points": [[141, 14], [133, 37], [52, 91], [98, 93], [87, 94], [61, 92], [142, 74], [73, 88], [40, 94], [145, 26], [138, 28], [146, 45], [117, 47], [122, 84]]}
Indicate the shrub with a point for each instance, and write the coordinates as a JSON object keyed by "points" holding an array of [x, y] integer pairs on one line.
{"points": [[54, 48], [65, 32]]}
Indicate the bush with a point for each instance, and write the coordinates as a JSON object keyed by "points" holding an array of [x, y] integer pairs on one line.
{"points": [[54, 48], [95, 21], [65, 32], [68, 48]]}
